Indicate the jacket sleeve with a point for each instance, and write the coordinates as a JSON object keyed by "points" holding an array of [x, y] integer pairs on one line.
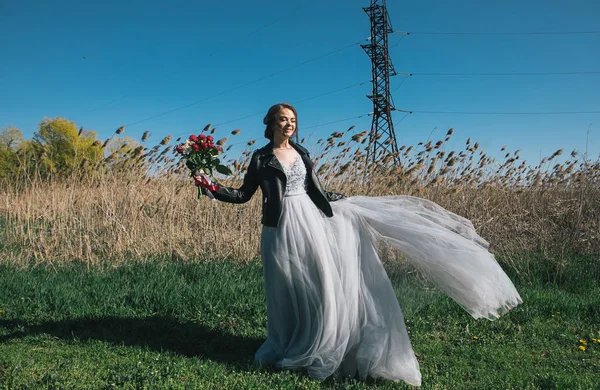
{"points": [[245, 192]]}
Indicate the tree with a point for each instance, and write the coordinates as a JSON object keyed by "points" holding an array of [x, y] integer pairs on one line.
{"points": [[11, 139], [64, 147]]}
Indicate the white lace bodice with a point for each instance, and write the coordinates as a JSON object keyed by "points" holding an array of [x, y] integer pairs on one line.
{"points": [[296, 177]]}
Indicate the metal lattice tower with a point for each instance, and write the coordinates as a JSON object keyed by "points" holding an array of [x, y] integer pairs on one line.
{"points": [[382, 139]]}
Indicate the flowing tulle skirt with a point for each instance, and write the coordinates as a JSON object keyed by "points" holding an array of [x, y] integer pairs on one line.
{"points": [[331, 307]]}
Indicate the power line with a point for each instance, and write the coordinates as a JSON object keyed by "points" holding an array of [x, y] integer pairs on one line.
{"points": [[401, 119], [330, 92], [315, 126], [244, 85], [506, 113], [327, 123], [399, 85], [407, 75], [506, 74], [408, 112], [398, 42], [219, 49], [113, 101], [338, 121], [496, 33], [264, 26], [296, 102]]}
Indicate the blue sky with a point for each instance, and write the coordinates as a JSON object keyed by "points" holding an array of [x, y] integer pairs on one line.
{"points": [[112, 63]]}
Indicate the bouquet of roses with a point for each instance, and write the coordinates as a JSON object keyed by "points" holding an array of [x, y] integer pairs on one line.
{"points": [[200, 154]]}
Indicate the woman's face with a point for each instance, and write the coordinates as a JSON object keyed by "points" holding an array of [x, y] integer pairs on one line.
{"points": [[284, 124]]}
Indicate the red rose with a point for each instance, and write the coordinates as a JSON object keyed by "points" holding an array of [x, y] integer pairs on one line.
{"points": [[195, 147], [220, 149], [209, 138], [204, 146], [193, 138], [202, 137]]}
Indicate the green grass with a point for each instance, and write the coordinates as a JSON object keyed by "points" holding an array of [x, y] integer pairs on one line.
{"points": [[197, 325]]}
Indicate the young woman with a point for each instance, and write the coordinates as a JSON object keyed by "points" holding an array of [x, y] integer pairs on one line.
{"points": [[331, 307]]}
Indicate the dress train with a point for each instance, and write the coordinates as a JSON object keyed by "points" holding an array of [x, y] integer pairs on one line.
{"points": [[330, 304]]}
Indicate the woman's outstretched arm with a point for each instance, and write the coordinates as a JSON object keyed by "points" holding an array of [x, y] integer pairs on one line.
{"points": [[245, 192]]}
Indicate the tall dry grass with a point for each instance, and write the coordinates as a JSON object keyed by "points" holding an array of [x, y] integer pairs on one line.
{"points": [[141, 203]]}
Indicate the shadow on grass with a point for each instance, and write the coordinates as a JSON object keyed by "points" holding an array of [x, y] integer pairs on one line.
{"points": [[160, 334]]}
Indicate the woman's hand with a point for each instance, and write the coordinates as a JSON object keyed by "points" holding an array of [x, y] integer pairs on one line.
{"points": [[202, 180], [198, 176], [206, 187]]}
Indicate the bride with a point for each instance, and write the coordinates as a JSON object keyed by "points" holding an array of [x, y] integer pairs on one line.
{"points": [[331, 308]]}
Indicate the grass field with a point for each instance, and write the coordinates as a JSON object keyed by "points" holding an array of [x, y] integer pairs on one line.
{"points": [[101, 285], [164, 324]]}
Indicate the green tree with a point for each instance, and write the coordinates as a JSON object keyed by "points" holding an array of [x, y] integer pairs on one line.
{"points": [[64, 147], [11, 139]]}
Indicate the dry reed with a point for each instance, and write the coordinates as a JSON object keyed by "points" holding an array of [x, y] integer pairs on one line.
{"points": [[143, 204]]}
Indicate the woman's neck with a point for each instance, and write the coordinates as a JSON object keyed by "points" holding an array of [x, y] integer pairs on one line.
{"points": [[281, 144]]}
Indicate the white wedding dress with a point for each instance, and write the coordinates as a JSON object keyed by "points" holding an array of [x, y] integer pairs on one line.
{"points": [[331, 307]]}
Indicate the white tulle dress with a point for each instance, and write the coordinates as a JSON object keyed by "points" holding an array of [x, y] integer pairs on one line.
{"points": [[331, 307]]}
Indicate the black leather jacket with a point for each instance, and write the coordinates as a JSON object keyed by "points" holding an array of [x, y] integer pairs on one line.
{"points": [[265, 171]]}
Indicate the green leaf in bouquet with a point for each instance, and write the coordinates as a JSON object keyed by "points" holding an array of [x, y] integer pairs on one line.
{"points": [[195, 158], [191, 165], [223, 169], [214, 152]]}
